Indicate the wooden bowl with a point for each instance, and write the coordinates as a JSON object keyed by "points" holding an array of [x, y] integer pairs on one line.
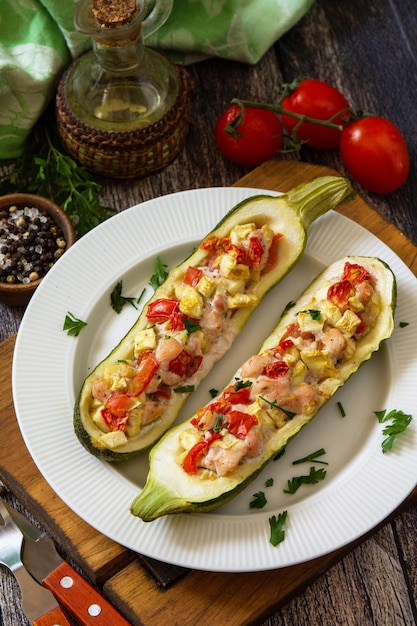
{"points": [[19, 293]]}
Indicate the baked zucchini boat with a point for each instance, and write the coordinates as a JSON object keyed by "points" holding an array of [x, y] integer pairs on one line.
{"points": [[334, 327], [135, 394]]}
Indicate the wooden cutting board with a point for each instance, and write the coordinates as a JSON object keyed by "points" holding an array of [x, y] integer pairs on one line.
{"points": [[195, 597]]}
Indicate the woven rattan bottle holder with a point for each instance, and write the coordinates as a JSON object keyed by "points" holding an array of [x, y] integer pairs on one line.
{"points": [[122, 110]]}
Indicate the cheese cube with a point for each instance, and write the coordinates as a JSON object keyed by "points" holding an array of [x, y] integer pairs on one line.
{"points": [[206, 286], [144, 340], [348, 322], [192, 302], [241, 300]]}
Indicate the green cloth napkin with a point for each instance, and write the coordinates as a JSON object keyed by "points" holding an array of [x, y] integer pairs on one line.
{"points": [[38, 41]]}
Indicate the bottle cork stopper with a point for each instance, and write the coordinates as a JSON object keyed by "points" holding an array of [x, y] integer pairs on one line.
{"points": [[114, 13]]}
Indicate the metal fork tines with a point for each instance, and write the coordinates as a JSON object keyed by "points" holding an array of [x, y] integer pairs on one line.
{"points": [[36, 600]]}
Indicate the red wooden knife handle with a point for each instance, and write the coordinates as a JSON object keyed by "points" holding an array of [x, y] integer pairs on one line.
{"points": [[54, 618], [81, 599]]}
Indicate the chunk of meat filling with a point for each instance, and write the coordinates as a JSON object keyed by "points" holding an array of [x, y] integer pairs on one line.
{"points": [[334, 343], [212, 318], [223, 460]]}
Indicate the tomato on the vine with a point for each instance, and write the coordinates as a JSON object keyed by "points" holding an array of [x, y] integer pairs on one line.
{"points": [[375, 154], [255, 139], [319, 100]]}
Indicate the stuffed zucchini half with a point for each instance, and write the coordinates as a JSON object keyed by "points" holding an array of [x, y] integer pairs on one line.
{"points": [[334, 327], [135, 394]]}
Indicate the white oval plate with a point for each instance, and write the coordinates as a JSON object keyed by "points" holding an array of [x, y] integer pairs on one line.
{"points": [[362, 485]]}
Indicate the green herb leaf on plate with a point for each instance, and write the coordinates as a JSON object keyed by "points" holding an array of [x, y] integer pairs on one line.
{"points": [[72, 325]]}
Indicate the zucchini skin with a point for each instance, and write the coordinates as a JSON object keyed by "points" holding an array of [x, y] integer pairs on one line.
{"points": [[169, 489], [289, 214]]}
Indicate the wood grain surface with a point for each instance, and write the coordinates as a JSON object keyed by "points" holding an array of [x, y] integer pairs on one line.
{"points": [[195, 598]]}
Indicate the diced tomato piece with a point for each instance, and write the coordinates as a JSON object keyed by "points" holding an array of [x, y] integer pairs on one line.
{"points": [[276, 369], [148, 365], [215, 245], [166, 310], [189, 463], [161, 310], [114, 422], [339, 293], [192, 276], [282, 347], [241, 396], [355, 273], [185, 364], [119, 403], [272, 260], [293, 330], [238, 252], [239, 423], [256, 251]]}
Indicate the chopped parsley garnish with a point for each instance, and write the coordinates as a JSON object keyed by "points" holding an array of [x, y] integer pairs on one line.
{"points": [[184, 389], [315, 314], [341, 409], [191, 326], [142, 293], [159, 275], [310, 479], [118, 300], [289, 306], [312, 458], [73, 325], [259, 500], [399, 422], [403, 324], [241, 384], [219, 423], [269, 482], [274, 405], [276, 525], [213, 392]]}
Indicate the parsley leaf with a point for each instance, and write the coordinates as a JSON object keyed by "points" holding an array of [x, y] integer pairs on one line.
{"points": [[213, 392], [184, 389], [315, 314], [159, 275], [276, 525], [400, 421], [274, 405], [219, 423], [269, 482], [259, 500], [403, 324], [312, 458], [191, 326], [73, 325], [311, 479], [241, 384], [118, 300]]}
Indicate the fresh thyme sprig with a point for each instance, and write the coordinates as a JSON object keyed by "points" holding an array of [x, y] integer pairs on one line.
{"points": [[46, 171]]}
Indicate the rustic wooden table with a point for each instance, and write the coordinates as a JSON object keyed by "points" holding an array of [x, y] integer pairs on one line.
{"points": [[369, 51]]}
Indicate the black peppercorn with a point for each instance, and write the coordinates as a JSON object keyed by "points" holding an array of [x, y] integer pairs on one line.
{"points": [[30, 242]]}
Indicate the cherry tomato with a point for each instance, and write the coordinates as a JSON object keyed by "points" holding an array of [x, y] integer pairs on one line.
{"points": [[375, 154], [319, 100], [257, 138]]}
